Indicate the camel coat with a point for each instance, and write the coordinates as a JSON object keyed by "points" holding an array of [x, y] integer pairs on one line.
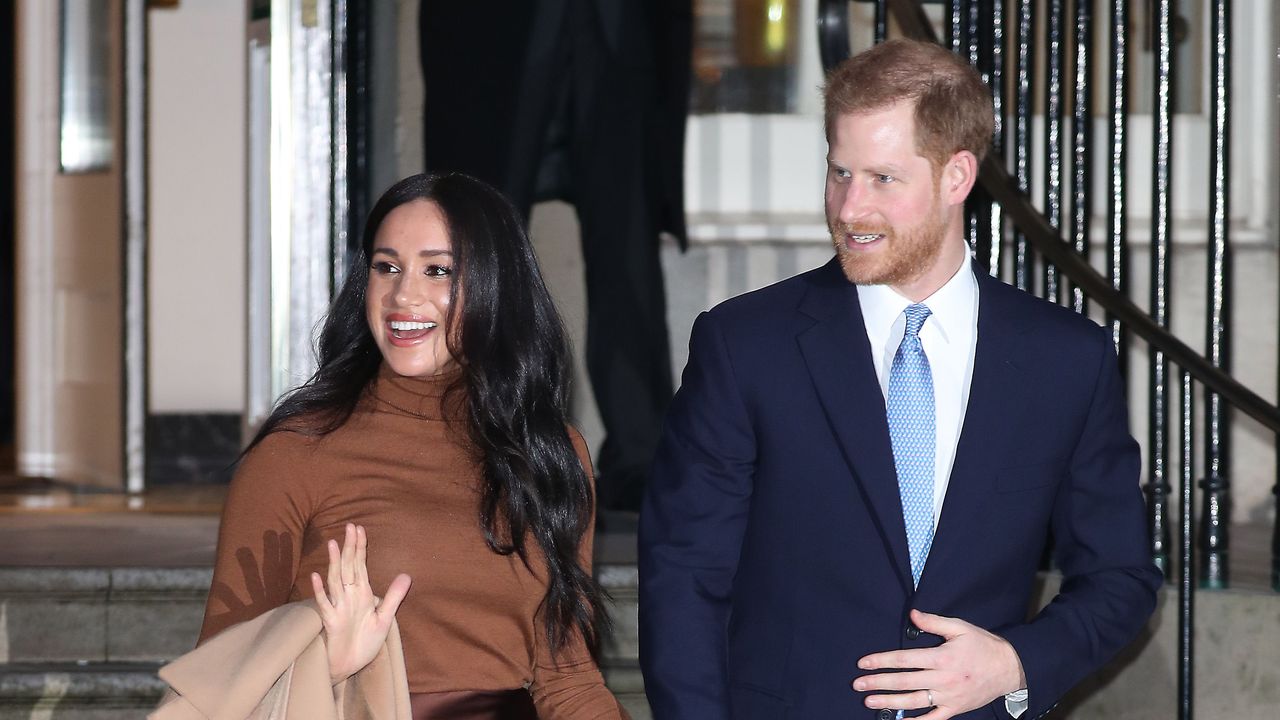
{"points": [[274, 667]]}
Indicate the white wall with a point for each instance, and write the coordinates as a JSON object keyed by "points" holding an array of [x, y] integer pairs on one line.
{"points": [[197, 207]]}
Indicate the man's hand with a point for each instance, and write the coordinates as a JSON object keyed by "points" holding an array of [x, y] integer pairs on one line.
{"points": [[355, 622], [971, 668]]}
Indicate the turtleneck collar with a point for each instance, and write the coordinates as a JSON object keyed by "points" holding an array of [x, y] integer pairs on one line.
{"points": [[417, 396]]}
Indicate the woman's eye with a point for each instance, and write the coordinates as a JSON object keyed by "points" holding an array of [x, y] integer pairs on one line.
{"points": [[383, 267], [439, 271]]}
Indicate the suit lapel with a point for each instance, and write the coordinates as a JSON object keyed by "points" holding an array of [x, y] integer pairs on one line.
{"points": [[838, 356], [991, 395]]}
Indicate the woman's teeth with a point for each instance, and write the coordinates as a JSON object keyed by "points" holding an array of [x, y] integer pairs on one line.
{"points": [[405, 325]]}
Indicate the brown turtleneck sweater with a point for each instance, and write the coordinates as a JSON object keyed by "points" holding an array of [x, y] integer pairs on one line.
{"points": [[471, 620]]}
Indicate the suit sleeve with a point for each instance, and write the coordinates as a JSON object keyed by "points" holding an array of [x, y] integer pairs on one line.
{"points": [[691, 532], [1109, 581]]}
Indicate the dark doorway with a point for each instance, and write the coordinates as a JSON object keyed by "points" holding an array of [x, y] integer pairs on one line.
{"points": [[8, 344]]}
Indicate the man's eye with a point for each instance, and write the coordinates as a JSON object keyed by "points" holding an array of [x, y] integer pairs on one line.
{"points": [[383, 267], [439, 271], [840, 173], [884, 179]]}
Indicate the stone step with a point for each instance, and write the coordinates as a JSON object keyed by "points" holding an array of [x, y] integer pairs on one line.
{"points": [[154, 614], [72, 691], [85, 643], [100, 615], [624, 680], [127, 691]]}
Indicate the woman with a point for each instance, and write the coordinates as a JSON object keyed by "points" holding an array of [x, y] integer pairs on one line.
{"points": [[437, 423]]}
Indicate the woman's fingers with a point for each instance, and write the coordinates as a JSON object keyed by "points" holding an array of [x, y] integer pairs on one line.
{"points": [[335, 570], [356, 623], [395, 594], [349, 556], [362, 553], [322, 598]]}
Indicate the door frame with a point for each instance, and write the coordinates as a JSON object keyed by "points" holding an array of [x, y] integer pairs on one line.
{"points": [[37, 412]]}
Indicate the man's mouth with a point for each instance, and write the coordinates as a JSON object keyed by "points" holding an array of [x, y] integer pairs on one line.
{"points": [[865, 238]]}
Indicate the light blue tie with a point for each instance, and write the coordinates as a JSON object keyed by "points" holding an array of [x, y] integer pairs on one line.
{"points": [[911, 431]]}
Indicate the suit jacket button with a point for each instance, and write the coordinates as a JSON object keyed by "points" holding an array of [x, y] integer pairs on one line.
{"points": [[913, 632], [885, 714]]}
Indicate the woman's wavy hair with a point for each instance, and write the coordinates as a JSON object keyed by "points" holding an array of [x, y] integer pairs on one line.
{"points": [[515, 361]]}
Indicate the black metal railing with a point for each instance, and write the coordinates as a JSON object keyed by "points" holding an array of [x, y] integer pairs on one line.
{"points": [[1051, 242]]}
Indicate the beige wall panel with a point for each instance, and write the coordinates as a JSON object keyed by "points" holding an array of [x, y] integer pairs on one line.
{"points": [[196, 294], [409, 125]]}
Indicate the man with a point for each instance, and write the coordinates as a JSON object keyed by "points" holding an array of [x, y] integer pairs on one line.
{"points": [[860, 472], [582, 100]]}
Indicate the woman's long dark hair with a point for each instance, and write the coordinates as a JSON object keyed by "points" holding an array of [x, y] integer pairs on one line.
{"points": [[516, 362]]}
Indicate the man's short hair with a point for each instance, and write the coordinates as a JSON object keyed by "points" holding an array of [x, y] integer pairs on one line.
{"points": [[953, 106]]}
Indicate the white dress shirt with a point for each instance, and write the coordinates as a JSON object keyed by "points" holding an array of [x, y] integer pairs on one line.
{"points": [[950, 340]]}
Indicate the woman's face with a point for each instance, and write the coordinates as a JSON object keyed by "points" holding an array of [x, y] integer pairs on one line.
{"points": [[407, 299]]}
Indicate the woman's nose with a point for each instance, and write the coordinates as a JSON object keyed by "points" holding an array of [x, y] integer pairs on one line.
{"points": [[409, 291]]}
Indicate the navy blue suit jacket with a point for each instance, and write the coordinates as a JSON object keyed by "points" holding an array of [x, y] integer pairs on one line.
{"points": [[773, 553]]}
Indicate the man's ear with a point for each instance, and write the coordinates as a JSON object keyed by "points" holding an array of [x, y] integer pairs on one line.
{"points": [[958, 177]]}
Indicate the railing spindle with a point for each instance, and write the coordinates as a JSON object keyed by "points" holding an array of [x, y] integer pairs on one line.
{"points": [[953, 25], [996, 83], [1022, 135], [1161, 228], [969, 37], [1118, 244], [979, 203], [1216, 515], [1275, 527], [1186, 564], [1053, 117], [1082, 144]]}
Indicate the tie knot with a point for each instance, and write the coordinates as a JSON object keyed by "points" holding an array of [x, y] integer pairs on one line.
{"points": [[916, 315]]}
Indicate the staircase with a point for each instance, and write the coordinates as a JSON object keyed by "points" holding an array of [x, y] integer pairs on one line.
{"points": [[84, 643]]}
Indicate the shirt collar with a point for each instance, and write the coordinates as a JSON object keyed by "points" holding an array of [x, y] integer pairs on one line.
{"points": [[952, 306]]}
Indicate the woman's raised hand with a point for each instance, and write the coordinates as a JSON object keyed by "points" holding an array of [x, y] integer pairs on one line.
{"points": [[355, 622]]}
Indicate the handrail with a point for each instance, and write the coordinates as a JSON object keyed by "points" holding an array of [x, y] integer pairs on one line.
{"points": [[1049, 242], [833, 31]]}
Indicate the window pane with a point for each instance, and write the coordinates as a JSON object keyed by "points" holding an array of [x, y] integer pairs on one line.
{"points": [[85, 130], [745, 56]]}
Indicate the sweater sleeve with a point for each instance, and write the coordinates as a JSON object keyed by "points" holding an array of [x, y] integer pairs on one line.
{"points": [[567, 685], [260, 536]]}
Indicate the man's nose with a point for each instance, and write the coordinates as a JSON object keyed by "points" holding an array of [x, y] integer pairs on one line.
{"points": [[854, 204]]}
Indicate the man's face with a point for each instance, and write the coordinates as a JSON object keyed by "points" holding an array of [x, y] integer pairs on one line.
{"points": [[888, 214]]}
